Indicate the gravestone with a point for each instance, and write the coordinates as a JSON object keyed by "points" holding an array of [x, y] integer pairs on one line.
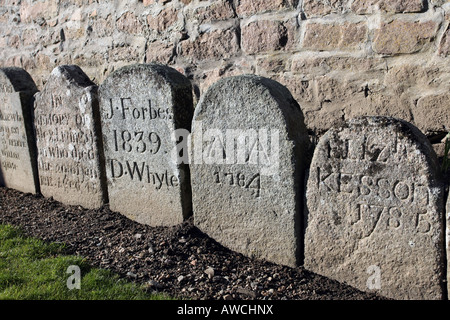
{"points": [[146, 108], [374, 209], [448, 243], [67, 125], [18, 168], [249, 148]]}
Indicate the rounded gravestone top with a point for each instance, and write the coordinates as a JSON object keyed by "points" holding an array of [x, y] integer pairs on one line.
{"points": [[67, 125], [159, 74], [14, 79], [374, 204], [143, 109], [72, 74], [249, 147]]}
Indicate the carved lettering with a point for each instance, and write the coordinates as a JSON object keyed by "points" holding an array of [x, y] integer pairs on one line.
{"points": [[136, 141], [422, 223], [126, 109], [328, 181], [10, 154], [366, 148], [7, 165], [373, 197], [52, 119], [251, 182], [140, 113], [394, 219], [367, 218], [66, 121], [372, 188], [141, 172], [12, 141], [14, 116]]}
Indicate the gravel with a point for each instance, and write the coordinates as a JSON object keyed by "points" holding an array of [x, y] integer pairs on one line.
{"points": [[180, 261]]}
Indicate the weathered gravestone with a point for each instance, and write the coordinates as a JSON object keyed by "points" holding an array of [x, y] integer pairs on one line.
{"points": [[375, 209], [448, 243], [145, 110], [67, 124], [249, 148], [18, 168]]}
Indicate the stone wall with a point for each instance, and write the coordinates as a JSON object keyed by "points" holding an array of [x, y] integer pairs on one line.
{"points": [[339, 58]]}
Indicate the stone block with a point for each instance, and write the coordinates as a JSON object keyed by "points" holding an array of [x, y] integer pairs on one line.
{"points": [[402, 37], [159, 51], [163, 20], [432, 112], [148, 2], [251, 7], [249, 149], [130, 23], [317, 8], [18, 166], [217, 44], [374, 209], [104, 27], [68, 138], [263, 36], [218, 11], [34, 10], [392, 6], [144, 107], [314, 66], [330, 36]]}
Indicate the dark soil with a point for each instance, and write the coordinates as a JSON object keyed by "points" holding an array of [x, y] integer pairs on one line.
{"points": [[180, 261]]}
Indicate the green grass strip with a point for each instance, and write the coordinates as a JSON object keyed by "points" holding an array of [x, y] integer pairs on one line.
{"points": [[31, 269]]}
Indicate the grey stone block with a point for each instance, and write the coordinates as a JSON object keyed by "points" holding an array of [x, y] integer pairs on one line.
{"points": [[375, 209], [144, 107], [67, 124], [18, 166], [249, 147]]}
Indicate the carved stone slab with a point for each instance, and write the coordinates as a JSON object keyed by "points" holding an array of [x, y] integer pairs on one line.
{"points": [[375, 209], [70, 159], [144, 108], [448, 243], [249, 149], [18, 168]]}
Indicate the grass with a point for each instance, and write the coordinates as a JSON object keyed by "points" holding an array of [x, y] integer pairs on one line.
{"points": [[31, 269]]}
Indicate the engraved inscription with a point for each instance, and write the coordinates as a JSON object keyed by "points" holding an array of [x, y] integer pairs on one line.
{"points": [[374, 195], [126, 146], [140, 107], [373, 188], [65, 138], [138, 141], [252, 182], [374, 198], [18, 168], [126, 109], [142, 172], [12, 139], [367, 218], [362, 148], [67, 147]]}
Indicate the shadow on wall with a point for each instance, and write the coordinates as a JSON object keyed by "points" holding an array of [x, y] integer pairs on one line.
{"points": [[31, 135]]}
